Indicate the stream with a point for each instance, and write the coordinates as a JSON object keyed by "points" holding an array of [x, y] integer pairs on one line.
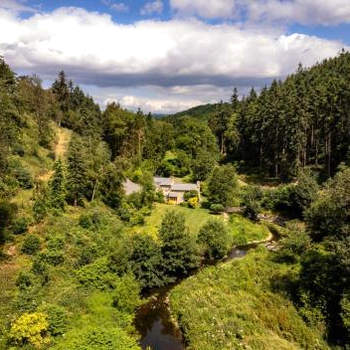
{"points": [[153, 320]]}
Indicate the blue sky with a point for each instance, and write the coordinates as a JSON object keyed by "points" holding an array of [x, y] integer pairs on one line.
{"points": [[169, 55]]}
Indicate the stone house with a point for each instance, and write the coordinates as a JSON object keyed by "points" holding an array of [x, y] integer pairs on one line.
{"points": [[173, 192]]}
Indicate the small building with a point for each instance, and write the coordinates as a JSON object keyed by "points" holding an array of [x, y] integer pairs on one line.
{"points": [[131, 187], [175, 192]]}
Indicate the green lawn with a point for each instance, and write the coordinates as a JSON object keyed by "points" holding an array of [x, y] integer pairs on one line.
{"points": [[195, 218], [243, 230], [234, 306]]}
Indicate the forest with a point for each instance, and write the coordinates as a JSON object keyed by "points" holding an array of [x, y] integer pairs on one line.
{"points": [[78, 257]]}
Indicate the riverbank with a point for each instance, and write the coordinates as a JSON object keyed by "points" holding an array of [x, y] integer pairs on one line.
{"points": [[159, 328], [235, 306]]}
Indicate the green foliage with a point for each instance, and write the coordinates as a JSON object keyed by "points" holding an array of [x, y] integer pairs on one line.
{"points": [[178, 247], [31, 244], [7, 213], [24, 280], [57, 319], [146, 261], [77, 171], [22, 175], [30, 328], [294, 245], [222, 186], [57, 187], [97, 275], [20, 225], [215, 239], [345, 313], [217, 208], [41, 204], [235, 305], [203, 165], [94, 337], [328, 215], [126, 295], [252, 197]]}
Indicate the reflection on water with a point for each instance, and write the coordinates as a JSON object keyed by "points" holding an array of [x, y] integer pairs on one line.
{"points": [[155, 326]]}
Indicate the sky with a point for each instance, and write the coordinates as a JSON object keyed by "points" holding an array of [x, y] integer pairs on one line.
{"points": [[165, 56]]}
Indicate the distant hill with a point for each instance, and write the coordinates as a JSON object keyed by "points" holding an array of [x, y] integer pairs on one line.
{"points": [[202, 112]]}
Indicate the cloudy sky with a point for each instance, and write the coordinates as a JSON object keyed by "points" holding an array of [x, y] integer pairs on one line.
{"points": [[168, 55]]}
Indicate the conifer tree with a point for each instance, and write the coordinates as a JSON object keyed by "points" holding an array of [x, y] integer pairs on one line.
{"points": [[77, 171], [57, 187]]}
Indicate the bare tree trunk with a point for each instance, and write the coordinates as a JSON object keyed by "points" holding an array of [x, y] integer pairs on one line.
{"points": [[94, 190]]}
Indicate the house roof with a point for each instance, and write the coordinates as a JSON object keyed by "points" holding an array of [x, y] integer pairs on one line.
{"points": [[130, 187], [163, 181], [184, 187]]}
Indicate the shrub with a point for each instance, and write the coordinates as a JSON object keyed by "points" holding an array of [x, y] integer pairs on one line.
{"points": [[193, 202], [31, 245], [20, 225], [217, 208], [23, 177], [56, 316], [7, 212], [92, 337], [97, 275], [30, 328], [24, 280], [39, 266], [215, 239], [126, 296]]}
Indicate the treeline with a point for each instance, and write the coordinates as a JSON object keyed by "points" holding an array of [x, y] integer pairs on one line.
{"points": [[301, 122]]}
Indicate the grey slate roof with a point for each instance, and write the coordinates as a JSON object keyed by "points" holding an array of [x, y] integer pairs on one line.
{"points": [[184, 187], [130, 187], [163, 181]]}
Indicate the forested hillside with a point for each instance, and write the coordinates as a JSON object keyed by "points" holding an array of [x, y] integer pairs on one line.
{"points": [[78, 255]]}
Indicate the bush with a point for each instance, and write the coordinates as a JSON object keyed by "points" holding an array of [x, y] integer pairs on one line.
{"points": [[20, 225], [92, 337], [217, 208], [7, 212], [24, 280], [56, 316], [193, 202], [215, 239], [31, 245], [24, 178], [126, 296], [30, 328]]}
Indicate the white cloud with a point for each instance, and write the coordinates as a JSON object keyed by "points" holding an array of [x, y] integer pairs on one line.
{"points": [[180, 57], [15, 5], [120, 7], [152, 7], [326, 12], [205, 8], [323, 12], [155, 105]]}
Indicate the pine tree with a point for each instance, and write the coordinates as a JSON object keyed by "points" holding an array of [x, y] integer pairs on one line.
{"points": [[57, 187], [77, 171]]}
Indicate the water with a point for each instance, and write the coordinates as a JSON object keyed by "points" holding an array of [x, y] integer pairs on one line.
{"points": [[153, 320], [154, 323]]}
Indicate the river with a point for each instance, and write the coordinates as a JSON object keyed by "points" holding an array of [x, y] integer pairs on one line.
{"points": [[153, 320]]}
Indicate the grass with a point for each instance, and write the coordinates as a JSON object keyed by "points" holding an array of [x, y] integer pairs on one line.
{"points": [[245, 231], [234, 306], [195, 218], [242, 230]]}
